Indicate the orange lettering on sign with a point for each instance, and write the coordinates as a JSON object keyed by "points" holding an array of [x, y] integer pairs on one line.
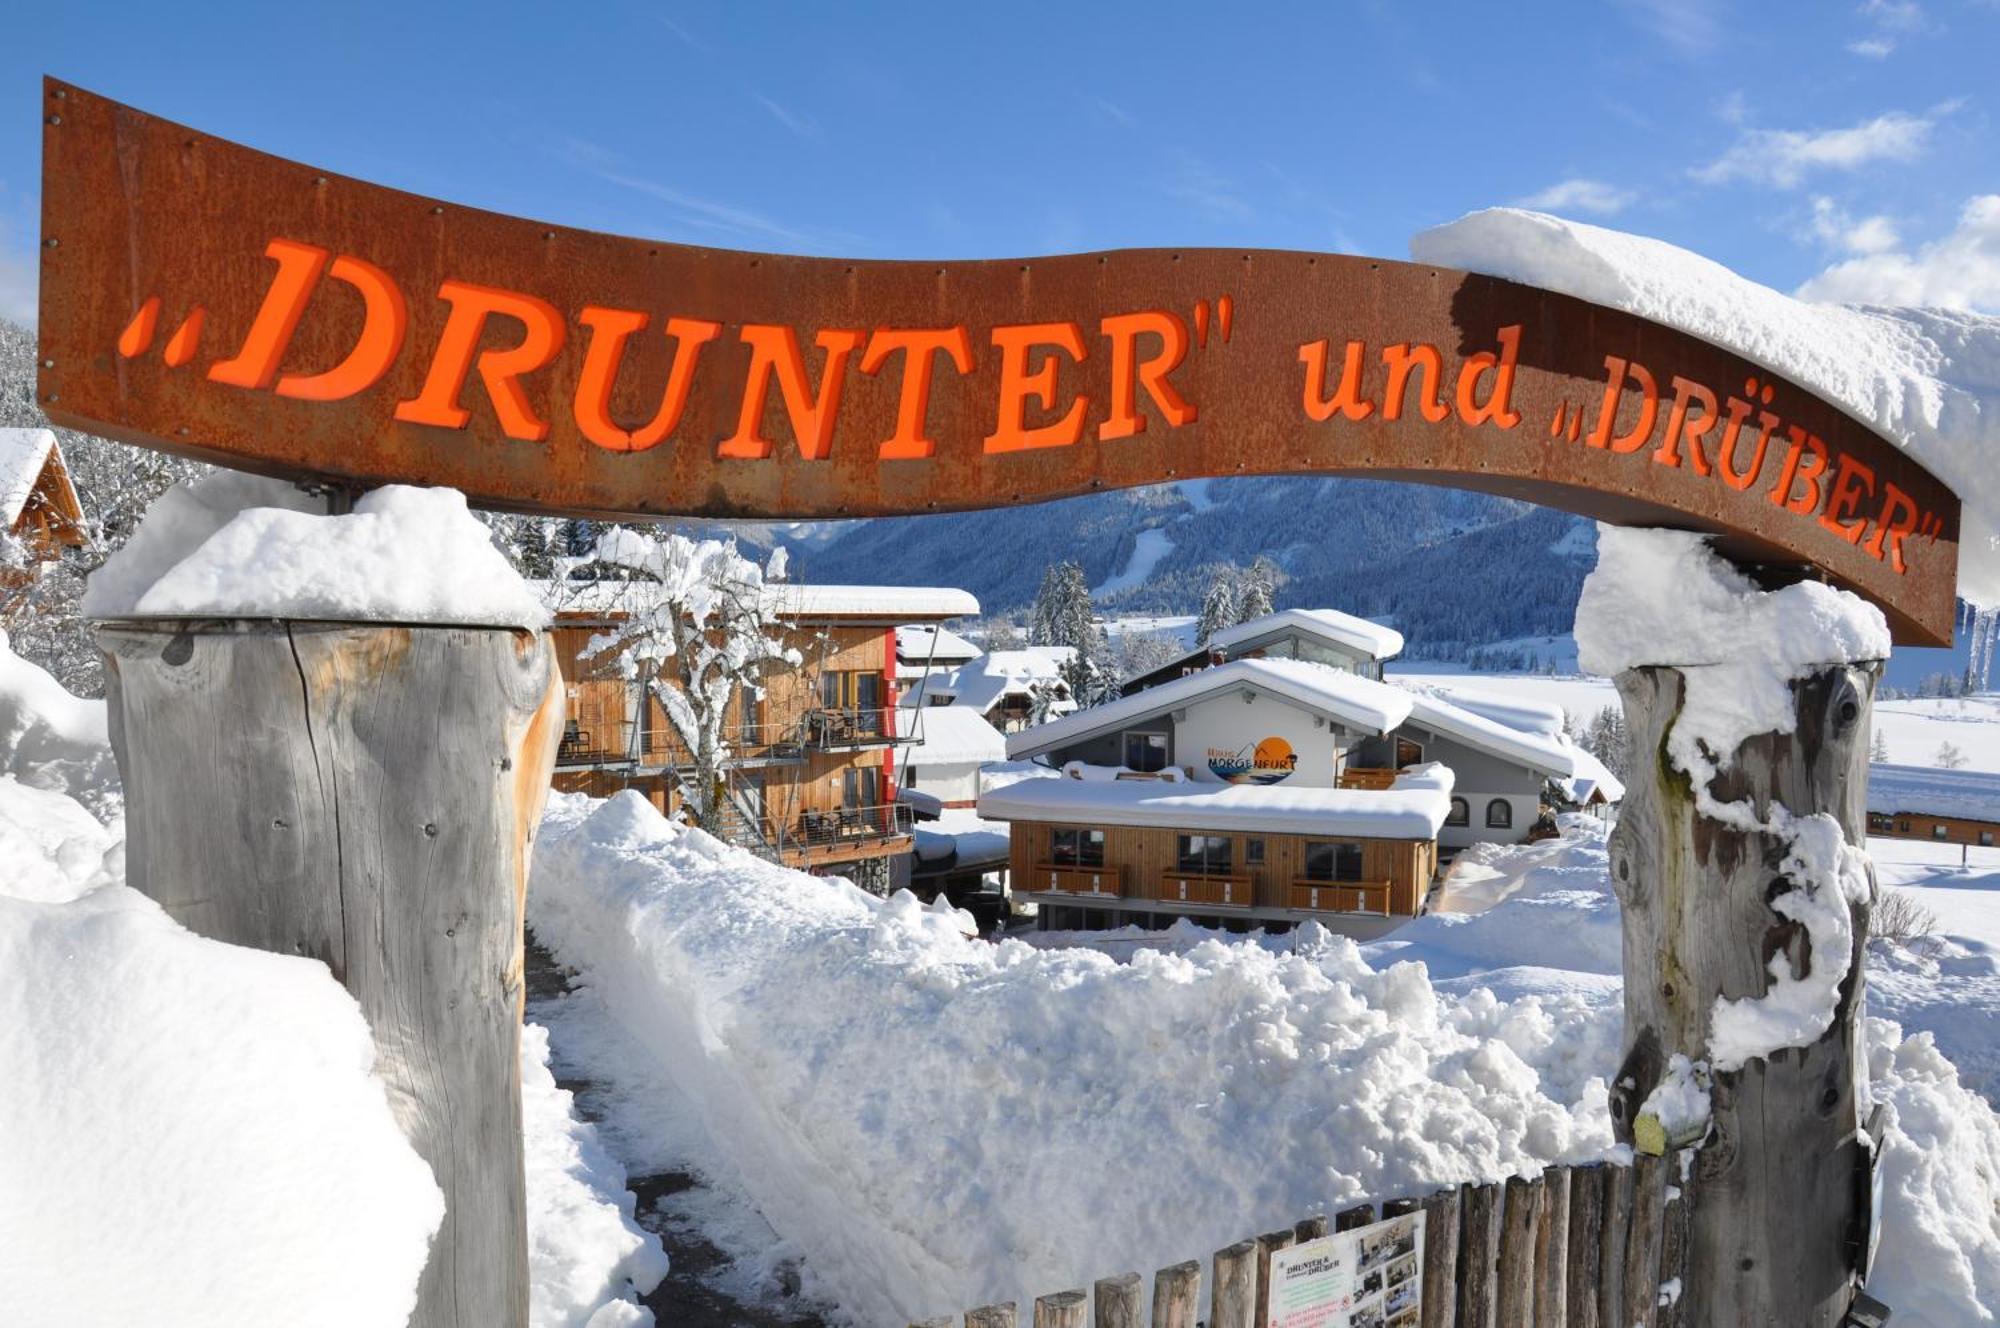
{"points": [[1498, 407], [1890, 531], [255, 364], [609, 330], [1348, 401], [1725, 454], [500, 370], [384, 320], [920, 347], [1617, 370], [1018, 385], [1680, 428], [1124, 418], [1400, 360], [774, 349], [1845, 497], [1807, 503]]}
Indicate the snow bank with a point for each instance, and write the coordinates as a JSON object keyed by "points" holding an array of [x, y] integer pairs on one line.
{"points": [[190, 1132], [933, 1120], [1927, 378], [52, 740], [236, 545], [586, 1252]]}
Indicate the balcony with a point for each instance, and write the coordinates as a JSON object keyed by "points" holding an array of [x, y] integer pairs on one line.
{"points": [[1362, 777], [1081, 880], [818, 835], [1340, 896], [1235, 891], [661, 748], [843, 730], [583, 748]]}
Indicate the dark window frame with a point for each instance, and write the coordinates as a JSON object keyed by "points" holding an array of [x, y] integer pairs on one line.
{"points": [[1151, 743], [1499, 814], [1460, 813], [1335, 861], [1209, 860], [1085, 846]]}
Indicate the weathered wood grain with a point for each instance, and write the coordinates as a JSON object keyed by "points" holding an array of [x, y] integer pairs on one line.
{"points": [[1642, 1245], [1552, 1250], [1775, 1199], [1478, 1253], [1514, 1276], [1614, 1226], [1585, 1251], [1232, 1291], [1177, 1295], [1268, 1244], [1442, 1217], [364, 795], [1308, 1228], [1061, 1309], [1674, 1237], [1349, 1218], [1001, 1315], [1115, 1302]]}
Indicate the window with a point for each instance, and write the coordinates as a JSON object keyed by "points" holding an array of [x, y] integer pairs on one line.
{"points": [[859, 786], [1253, 852], [1902, 827], [1499, 815], [752, 720], [1986, 839], [1207, 855], [1940, 831], [1460, 814], [1146, 751], [1076, 848], [1333, 862], [1408, 752], [850, 689]]}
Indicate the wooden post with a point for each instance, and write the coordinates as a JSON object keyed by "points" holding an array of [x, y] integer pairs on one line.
{"points": [[1479, 1246], [1308, 1228], [1552, 1250], [1642, 1244], [1520, 1225], [1770, 1219], [1061, 1309], [1232, 1291], [1349, 1218], [1268, 1244], [1674, 1238], [1115, 1303], [1614, 1228], [1441, 1223], [1176, 1295], [365, 794], [1001, 1315], [1585, 1246]]}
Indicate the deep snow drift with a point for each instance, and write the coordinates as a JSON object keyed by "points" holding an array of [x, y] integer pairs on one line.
{"points": [[1927, 378]]}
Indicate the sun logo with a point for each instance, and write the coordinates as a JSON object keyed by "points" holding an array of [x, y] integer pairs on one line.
{"points": [[1265, 762]]}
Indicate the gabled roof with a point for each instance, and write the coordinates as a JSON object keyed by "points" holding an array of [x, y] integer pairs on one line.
{"points": [[1414, 807], [1592, 776], [985, 682], [25, 456], [920, 644], [1341, 629], [950, 735], [1923, 790], [1436, 709], [1356, 702]]}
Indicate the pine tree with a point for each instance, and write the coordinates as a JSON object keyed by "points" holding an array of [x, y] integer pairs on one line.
{"points": [[1254, 598], [1218, 606], [1879, 749], [1608, 740]]}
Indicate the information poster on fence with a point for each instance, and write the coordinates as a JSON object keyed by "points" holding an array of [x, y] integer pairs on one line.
{"points": [[1370, 1277]]}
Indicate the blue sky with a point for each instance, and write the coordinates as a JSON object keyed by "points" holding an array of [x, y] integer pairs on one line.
{"points": [[1783, 139]]}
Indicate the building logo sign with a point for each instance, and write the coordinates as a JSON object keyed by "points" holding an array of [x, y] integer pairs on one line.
{"points": [[1267, 761], [203, 298]]}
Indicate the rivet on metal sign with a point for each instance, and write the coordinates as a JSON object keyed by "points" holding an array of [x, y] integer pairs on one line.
{"points": [[48, 364], [50, 242], [55, 119]]}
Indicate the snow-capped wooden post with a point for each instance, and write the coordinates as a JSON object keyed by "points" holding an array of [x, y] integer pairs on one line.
{"points": [[1727, 877], [364, 794]]}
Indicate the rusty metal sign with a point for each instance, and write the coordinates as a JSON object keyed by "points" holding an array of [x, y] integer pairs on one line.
{"points": [[203, 298]]}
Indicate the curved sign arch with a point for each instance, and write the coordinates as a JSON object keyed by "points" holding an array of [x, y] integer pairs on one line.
{"points": [[203, 298]]}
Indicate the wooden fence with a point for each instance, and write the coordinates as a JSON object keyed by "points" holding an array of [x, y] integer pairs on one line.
{"points": [[1599, 1246]]}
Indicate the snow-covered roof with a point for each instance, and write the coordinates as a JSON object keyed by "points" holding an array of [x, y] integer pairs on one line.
{"points": [[1592, 776], [1923, 790], [1414, 807], [888, 603], [1357, 702], [1342, 629], [923, 643], [1516, 712], [1437, 709], [952, 735], [23, 454], [985, 682]]}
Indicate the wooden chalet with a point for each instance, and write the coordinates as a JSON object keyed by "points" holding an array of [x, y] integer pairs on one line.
{"points": [[1930, 803], [38, 504], [811, 771]]}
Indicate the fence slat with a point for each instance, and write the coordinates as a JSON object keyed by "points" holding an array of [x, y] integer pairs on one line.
{"points": [[1614, 1229], [1358, 1216], [1267, 1245], [1232, 1290], [1674, 1237], [1176, 1296], [1308, 1228], [1479, 1243], [1001, 1315], [1061, 1309], [1586, 1226], [1642, 1245], [1116, 1302], [941, 1322], [1514, 1276], [1552, 1250], [1441, 1219]]}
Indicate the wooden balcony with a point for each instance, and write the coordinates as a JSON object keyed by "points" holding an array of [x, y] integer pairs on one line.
{"points": [[1363, 777], [1079, 880], [1177, 887], [1341, 896]]}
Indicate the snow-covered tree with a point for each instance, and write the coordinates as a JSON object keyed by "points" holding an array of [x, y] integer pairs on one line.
{"points": [[1608, 740], [1142, 652], [1064, 616], [1002, 635], [1253, 596], [1948, 756], [1878, 750], [1218, 606], [703, 625]]}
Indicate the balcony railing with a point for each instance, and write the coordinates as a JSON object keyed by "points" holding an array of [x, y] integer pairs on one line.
{"points": [[1362, 777], [582, 747], [816, 832], [619, 744], [1082, 880], [1178, 887], [1341, 896], [832, 729]]}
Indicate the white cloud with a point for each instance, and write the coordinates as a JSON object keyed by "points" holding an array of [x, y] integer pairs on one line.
{"points": [[1865, 235], [1580, 195], [1784, 157], [1872, 48], [1960, 270], [1692, 27], [1895, 15]]}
